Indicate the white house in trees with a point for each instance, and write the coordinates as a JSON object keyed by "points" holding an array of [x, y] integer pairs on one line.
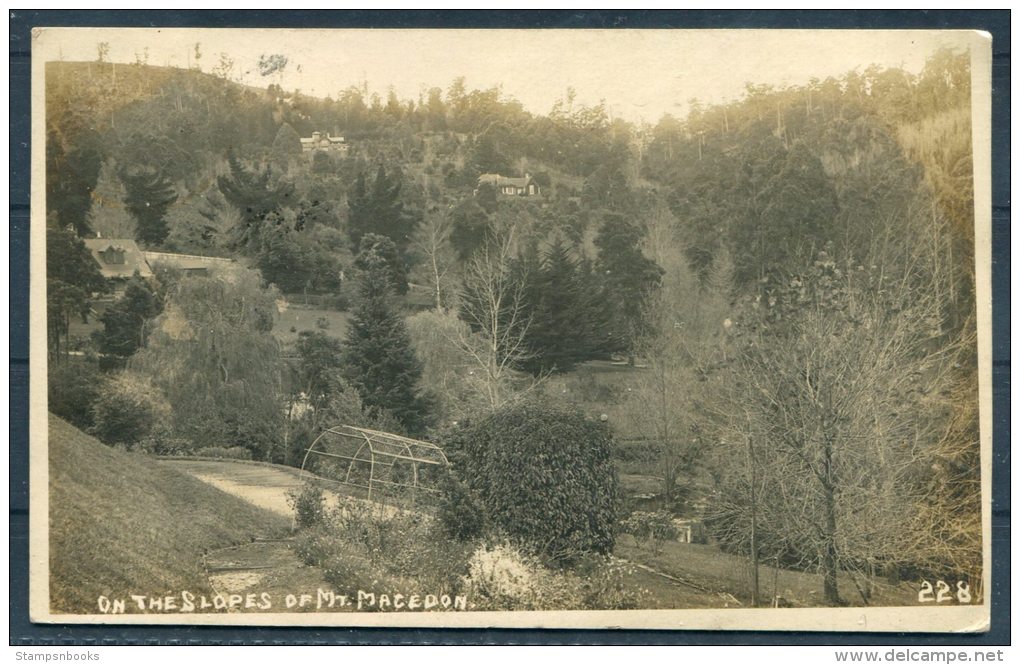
{"points": [[525, 186], [324, 142]]}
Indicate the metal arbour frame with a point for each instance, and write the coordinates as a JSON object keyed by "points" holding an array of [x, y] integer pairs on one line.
{"points": [[389, 459]]}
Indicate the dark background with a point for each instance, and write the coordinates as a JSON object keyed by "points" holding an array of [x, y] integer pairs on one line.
{"points": [[24, 633]]}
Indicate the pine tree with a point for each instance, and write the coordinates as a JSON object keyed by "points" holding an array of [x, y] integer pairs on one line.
{"points": [[375, 247], [149, 194], [254, 196], [627, 277], [564, 325], [71, 176], [72, 277], [287, 144], [378, 357], [378, 208]]}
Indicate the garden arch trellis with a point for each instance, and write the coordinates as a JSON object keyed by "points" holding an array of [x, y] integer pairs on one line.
{"points": [[384, 464]]}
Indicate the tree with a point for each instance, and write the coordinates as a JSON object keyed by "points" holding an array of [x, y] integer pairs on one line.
{"points": [[627, 276], [841, 402], [493, 305], [319, 355], [282, 260], [379, 360], [488, 155], [149, 194], [607, 189], [286, 145], [72, 172], [375, 248], [378, 208], [564, 311], [124, 321], [789, 207], [72, 389], [322, 163], [255, 197], [128, 407], [667, 396], [432, 241], [212, 353], [470, 226], [72, 278], [448, 373]]}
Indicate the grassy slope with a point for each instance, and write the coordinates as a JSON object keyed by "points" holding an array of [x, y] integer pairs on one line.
{"points": [[120, 524]]}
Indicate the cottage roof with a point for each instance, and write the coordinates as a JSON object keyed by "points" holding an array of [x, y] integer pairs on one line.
{"points": [[319, 138], [108, 253], [503, 181], [189, 262]]}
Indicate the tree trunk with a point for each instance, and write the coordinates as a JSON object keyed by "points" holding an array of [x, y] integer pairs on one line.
{"points": [[829, 567], [754, 523]]}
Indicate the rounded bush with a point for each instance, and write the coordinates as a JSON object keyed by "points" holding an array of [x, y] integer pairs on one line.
{"points": [[544, 476], [127, 409]]}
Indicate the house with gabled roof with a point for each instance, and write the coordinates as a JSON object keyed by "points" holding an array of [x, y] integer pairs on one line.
{"points": [[508, 186], [118, 259]]}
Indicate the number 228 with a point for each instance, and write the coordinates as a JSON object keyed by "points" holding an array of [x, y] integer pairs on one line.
{"points": [[943, 593]]}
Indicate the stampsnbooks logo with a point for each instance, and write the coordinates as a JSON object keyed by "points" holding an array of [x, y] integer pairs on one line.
{"points": [[56, 657]]}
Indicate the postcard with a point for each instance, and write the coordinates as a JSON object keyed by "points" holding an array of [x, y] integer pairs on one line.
{"points": [[667, 329]]}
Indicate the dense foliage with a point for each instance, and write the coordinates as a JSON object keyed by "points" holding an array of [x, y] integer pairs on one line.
{"points": [[379, 360], [544, 476], [149, 195]]}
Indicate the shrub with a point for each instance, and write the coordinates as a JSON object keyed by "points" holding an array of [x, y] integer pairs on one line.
{"points": [[502, 578], [544, 477], [309, 504], [652, 528], [360, 545], [461, 515], [643, 525], [162, 440], [221, 452], [73, 388], [127, 409]]}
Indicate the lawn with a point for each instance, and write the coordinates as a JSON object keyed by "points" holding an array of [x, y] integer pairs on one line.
{"points": [[719, 572], [122, 524], [298, 318]]}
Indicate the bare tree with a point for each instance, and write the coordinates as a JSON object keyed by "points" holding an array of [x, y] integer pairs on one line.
{"points": [[433, 241], [492, 304], [842, 392]]}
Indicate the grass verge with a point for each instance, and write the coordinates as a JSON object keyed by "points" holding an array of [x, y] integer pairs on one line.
{"points": [[121, 524]]}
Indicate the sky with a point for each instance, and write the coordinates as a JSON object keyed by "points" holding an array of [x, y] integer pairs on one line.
{"points": [[641, 74]]}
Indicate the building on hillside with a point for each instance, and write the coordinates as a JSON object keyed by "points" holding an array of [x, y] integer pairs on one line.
{"points": [[325, 142], [119, 259], [191, 264], [507, 186]]}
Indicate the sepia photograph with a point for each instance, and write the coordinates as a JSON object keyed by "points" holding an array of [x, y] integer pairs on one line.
{"points": [[667, 329]]}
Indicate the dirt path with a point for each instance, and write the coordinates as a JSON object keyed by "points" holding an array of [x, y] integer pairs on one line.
{"points": [[263, 486]]}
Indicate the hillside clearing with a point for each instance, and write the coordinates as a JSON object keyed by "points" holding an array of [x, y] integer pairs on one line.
{"points": [[122, 524]]}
